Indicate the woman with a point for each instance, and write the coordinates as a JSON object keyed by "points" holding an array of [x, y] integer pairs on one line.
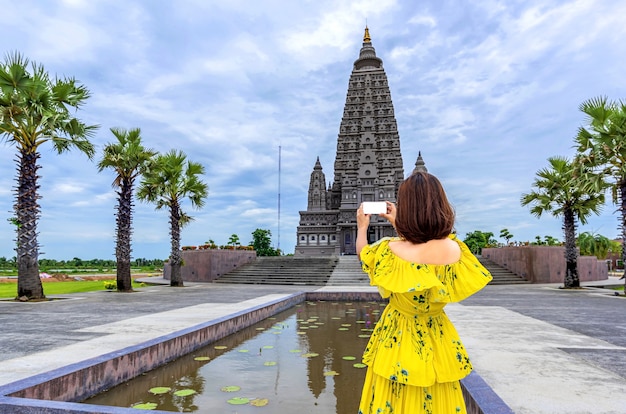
{"points": [[415, 357]]}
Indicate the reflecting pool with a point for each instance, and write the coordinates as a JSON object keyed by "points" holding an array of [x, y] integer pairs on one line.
{"points": [[303, 360]]}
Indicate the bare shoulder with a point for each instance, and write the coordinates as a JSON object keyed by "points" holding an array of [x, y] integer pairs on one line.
{"points": [[444, 251], [435, 252]]}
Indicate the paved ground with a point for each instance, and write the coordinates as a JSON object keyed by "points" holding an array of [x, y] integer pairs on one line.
{"points": [[542, 349]]}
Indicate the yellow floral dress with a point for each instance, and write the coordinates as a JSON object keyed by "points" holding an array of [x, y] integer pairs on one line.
{"points": [[415, 357]]}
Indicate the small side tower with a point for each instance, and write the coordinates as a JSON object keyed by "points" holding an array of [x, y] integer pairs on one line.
{"points": [[420, 165], [317, 189], [318, 225]]}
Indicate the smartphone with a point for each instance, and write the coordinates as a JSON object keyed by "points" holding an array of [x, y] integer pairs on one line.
{"points": [[374, 207]]}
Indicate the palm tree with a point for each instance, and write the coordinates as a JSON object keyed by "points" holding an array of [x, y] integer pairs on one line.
{"points": [[36, 109], [603, 146], [569, 190], [169, 179], [593, 245], [127, 157]]}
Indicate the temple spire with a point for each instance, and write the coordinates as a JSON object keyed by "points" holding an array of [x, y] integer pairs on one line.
{"points": [[318, 165], [366, 36], [420, 165]]}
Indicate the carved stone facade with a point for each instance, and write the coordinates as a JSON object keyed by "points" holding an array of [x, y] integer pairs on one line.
{"points": [[368, 165]]}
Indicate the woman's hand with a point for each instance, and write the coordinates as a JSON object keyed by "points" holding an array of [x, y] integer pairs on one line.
{"points": [[362, 219], [390, 214], [362, 223]]}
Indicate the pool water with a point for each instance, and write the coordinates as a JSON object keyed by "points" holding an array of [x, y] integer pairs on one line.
{"points": [[299, 361]]}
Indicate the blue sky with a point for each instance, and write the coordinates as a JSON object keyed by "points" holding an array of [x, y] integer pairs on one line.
{"points": [[487, 91]]}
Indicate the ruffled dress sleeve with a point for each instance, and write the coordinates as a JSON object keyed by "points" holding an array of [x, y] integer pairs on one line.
{"points": [[446, 283]]}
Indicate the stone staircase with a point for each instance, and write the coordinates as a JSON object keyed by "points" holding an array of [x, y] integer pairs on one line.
{"points": [[283, 270], [348, 273], [329, 271], [501, 275]]}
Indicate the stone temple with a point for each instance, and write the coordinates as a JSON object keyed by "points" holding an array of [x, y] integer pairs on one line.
{"points": [[368, 165]]}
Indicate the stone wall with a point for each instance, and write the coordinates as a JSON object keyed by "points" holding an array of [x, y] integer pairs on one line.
{"points": [[207, 265], [545, 264]]}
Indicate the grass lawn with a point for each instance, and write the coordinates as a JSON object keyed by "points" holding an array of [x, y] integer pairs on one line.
{"points": [[8, 290]]}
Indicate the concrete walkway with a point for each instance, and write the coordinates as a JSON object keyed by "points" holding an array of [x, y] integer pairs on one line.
{"points": [[540, 348]]}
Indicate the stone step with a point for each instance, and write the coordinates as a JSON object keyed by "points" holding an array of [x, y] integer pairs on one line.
{"points": [[501, 275], [348, 273], [283, 271]]}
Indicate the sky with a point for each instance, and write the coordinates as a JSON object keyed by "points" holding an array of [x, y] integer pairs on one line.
{"points": [[486, 90]]}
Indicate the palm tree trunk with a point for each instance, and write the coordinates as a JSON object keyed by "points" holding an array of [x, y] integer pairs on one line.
{"points": [[124, 231], [622, 193], [27, 211], [571, 254], [175, 256]]}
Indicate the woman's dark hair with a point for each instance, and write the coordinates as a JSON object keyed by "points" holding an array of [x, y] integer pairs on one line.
{"points": [[423, 211]]}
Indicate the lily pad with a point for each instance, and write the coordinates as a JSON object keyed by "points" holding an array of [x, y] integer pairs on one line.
{"points": [[159, 390], [295, 351], [185, 392], [269, 363], [231, 388], [238, 401], [300, 333], [364, 336], [243, 350], [359, 365], [348, 358], [344, 329], [310, 355], [220, 347], [145, 406], [259, 402], [330, 373], [202, 358], [268, 346]]}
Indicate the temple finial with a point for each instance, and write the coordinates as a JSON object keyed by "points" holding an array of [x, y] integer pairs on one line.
{"points": [[366, 36], [420, 165]]}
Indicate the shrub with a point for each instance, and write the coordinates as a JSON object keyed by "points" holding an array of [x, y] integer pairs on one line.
{"points": [[110, 284]]}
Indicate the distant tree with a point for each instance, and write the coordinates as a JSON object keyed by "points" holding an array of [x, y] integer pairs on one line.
{"points": [[36, 109], [262, 243], [568, 190], [615, 247], [538, 241], [551, 241], [602, 146], [477, 239], [234, 240], [593, 245], [127, 158], [506, 235], [167, 182]]}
